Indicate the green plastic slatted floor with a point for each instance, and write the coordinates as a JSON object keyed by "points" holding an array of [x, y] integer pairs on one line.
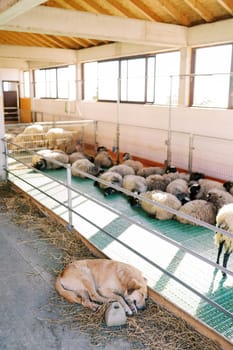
{"points": [[191, 270]]}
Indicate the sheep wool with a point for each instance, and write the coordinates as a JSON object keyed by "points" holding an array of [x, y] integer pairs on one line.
{"points": [[152, 170], [177, 186], [112, 178], [84, 165], [219, 197], [156, 182], [199, 209], [122, 169], [164, 198]]}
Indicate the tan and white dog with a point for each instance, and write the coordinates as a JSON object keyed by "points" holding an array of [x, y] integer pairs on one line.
{"points": [[92, 282]]}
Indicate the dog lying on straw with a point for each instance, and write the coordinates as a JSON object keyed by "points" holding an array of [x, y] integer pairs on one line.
{"points": [[96, 281]]}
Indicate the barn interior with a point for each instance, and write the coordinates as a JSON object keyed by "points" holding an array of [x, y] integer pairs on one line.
{"points": [[150, 78]]}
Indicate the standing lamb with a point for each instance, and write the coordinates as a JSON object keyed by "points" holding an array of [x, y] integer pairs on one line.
{"points": [[224, 220]]}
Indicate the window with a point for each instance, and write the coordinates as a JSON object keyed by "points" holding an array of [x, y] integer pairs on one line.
{"points": [[55, 82], [167, 69], [133, 80], [90, 74], [212, 78], [108, 74], [148, 79], [26, 79]]}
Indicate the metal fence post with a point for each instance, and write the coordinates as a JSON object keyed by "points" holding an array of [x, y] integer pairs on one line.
{"points": [[69, 196]]}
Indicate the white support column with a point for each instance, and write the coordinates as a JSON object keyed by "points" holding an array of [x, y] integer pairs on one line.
{"points": [[2, 134], [185, 68]]}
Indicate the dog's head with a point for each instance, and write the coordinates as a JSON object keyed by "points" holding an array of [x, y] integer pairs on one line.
{"points": [[137, 293]]}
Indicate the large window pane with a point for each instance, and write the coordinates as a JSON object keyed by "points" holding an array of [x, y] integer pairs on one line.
{"points": [[166, 78], [108, 73], [150, 79], [211, 84], [133, 80], [26, 79], [90, 73]]}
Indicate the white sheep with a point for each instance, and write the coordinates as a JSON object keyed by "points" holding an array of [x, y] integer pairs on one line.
{"points": [[135, 184], [163, 198], [156, 182], [224, 220], [34, 129], [135, 164], [58, 138], [199, 209], [46, 159], [122, 169], [112, 178], [103, 159], [84, 165]]}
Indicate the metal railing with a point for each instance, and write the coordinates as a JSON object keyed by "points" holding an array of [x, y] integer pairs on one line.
{"points": [[67, 186]]}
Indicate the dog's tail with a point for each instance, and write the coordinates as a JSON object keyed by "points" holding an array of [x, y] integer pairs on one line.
{"points": [[69, 295]]}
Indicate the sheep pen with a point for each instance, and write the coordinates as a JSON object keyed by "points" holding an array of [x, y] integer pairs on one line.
{"points": [[154, 328]]}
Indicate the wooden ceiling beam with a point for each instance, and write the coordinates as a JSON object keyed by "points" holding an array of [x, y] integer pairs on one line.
{"points": [[9, 9], [148, 11], [227, 5], [174, 12], [200, 9]]}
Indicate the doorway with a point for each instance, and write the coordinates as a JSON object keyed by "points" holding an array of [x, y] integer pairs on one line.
{"points": [[10, 91]]}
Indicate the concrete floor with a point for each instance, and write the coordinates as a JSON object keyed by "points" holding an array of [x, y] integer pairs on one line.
{"points": [[25, 287]]}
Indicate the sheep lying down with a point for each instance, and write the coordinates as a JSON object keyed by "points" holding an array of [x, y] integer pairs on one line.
{"points": [[112, 178], [164, 198], [46, 159]]}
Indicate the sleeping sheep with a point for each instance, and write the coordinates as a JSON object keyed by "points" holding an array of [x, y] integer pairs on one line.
{"points": [[84, 165], [135, 184], [103, 159], [200, 189], [199, 209], [219, 198], [164, 198], [47, 159], [112, 178], [79, 155], [122, 169], [156, 182], [151, 170], [224, 220], [135, 164]]}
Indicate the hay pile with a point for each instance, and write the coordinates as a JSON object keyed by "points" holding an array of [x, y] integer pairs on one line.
{"points": [[153, 329]]}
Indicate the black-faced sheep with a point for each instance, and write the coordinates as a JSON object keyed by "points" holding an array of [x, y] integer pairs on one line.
{"points": [[122, 169], [224, 220], [135, 184], [112, 178], [164, 198], [84, 165], [200, 189], [47, 159], [219, 198], [103, 159], [228, 185], [135, 164], [199, 209]]}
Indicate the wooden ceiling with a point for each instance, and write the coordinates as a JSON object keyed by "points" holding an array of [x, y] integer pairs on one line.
{"points": [[186, 13]]}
